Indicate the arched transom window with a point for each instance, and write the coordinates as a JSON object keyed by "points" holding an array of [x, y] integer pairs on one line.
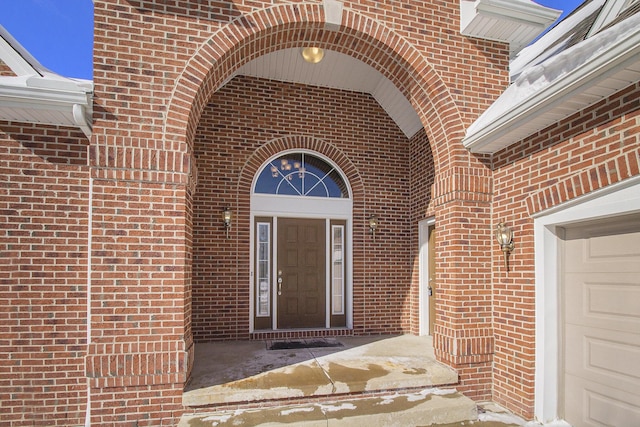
{"points": [[301, 174]]}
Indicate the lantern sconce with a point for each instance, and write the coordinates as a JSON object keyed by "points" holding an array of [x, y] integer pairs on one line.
{"points": [[226, 219], [373, 224], [504, 236]]}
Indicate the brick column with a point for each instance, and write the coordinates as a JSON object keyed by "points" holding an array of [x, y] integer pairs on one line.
{"points": [[140, 341], [463, 335]]}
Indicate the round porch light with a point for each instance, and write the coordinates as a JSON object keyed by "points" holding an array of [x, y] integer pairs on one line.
{"points": [[312, 55]]}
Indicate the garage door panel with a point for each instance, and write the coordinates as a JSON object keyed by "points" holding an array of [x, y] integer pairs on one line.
{"points": [[601, 312], [597, 406], [606, 357], [617, 252], [604, 300]]}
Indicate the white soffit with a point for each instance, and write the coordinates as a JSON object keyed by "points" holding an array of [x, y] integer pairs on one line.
{"points": [[37, 95], [337, 71], [562, 85], [517, 22]]}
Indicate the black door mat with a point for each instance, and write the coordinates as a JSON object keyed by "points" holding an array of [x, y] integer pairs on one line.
{"points": [[303, 343]]}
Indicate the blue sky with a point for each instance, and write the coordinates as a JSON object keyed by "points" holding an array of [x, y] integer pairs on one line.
{"points": [[59, 33]]}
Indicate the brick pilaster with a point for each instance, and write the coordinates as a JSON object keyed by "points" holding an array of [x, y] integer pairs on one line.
{"points": [[463, 335]]}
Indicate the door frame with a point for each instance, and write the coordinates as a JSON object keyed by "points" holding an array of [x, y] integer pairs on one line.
{"points": [[284, 206], [423, 273], [617, 199]]}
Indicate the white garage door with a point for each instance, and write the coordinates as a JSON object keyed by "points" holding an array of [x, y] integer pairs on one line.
{"points": [[601, 300]]}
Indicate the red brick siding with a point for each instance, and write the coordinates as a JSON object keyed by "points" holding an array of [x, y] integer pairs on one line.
{"points": [[5, 70], [405, 43], [585, 152], [157, 67], [248, 113], [138, 353], [44, 182]]}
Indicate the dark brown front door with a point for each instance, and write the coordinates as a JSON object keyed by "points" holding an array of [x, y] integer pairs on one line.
{"points": [[301, 273]]}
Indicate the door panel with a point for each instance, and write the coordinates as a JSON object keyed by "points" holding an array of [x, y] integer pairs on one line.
{"points": [[432, 278], [302, 268], [601, 293]]}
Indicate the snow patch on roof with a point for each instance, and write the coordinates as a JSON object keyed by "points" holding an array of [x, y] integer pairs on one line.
{"points": [[534, 79], [542, 49]]}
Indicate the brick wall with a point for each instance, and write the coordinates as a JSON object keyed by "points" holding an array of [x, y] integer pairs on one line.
{"points": [[241, 118], [156, 68], [157, 111], [44, 201], [592, 149], [421, 176]]}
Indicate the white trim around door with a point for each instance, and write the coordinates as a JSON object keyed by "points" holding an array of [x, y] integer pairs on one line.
{"points": [[619, 199], [424, 274]]}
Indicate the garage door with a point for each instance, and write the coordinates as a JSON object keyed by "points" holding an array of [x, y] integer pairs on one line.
{"points": [[601, 342]]}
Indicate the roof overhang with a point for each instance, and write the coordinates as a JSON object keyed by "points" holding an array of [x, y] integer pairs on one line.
{"points": [[559, 87], [517, 22], [37, 95]]}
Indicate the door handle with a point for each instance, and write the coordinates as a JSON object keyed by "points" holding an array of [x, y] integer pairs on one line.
{"points": [[279, 282]]}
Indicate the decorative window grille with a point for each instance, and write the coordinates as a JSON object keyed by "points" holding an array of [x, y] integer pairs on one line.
{"points": [[263, 262], [301, 174]]}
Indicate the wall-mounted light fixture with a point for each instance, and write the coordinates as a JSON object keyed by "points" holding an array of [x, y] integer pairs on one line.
{"points": [[312, 55], [226, 219], [373, 224], [504, 236]]}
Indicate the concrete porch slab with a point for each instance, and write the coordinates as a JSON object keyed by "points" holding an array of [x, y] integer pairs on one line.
{"points": [[243, 372]]}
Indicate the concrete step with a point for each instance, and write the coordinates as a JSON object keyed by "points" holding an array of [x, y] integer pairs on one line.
{"points": [[423, 408]]}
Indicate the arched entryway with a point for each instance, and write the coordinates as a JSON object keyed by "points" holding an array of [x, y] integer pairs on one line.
{"points": [[367, 40], [458, 174], [301, 268]]}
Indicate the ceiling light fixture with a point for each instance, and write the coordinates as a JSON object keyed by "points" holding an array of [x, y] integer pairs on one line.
{"points": [[312, 55]]}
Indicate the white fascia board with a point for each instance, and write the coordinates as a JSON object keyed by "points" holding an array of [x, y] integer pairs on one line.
{"points": [[527, 12], [19, 92], [524, 12], [624, 50], [52, 92]]}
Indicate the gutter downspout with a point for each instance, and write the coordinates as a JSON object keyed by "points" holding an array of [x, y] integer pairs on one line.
{"points": [[80, 117]]}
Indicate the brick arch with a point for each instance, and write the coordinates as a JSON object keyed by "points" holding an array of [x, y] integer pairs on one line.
{"points": [[594, 178], [292, 25], [301, 142]]}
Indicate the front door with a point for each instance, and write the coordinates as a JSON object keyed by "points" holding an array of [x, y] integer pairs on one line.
{"points": [[301, 273], [427, 267], [432, 277]]}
